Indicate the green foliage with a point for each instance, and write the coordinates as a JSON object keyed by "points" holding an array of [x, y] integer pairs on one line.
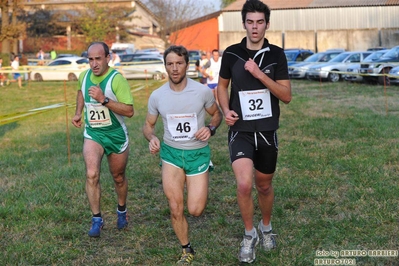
{"points": [[98, 22], [227, 2], [43, 23], [335, 185]]}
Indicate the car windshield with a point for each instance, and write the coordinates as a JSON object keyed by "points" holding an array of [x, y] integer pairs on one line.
{"points": [[320, 57], [340, 57], [60, 63], [290, 56], [314, 57], [374, 56], [393, 53]]}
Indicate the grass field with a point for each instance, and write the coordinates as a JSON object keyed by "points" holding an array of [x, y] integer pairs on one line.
{"points": [[336, 186]]}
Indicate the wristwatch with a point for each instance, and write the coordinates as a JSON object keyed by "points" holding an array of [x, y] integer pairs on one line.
{"points": [[212, 129], [106, 100]]}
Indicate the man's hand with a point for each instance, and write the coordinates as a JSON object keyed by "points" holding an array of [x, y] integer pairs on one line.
{"points": [[154, 145], [96, 93], [253, 68], [231, 117], [203, 134], [77, 120]]}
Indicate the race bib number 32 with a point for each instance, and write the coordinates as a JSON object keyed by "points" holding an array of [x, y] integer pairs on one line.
{"points": [[255, 104], [182, 127]]}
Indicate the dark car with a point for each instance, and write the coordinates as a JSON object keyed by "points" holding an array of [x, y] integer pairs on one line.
{"points": [[297, 55]]}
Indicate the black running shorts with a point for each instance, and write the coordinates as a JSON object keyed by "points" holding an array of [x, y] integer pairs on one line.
{"points": [[260, 147]]}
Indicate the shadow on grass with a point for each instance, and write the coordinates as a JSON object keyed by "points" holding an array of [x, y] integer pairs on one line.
{"points": [[5, 128]]}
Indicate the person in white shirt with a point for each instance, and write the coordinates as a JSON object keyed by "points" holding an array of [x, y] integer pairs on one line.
{"points": [[212, 72], [16, 75]]}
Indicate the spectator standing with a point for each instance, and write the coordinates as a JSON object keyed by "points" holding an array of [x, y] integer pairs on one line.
{"points": [[40, 57], [16, 74], [2, 75], [116, 62], [259, 81], [199, 66], [53, 54], [212, 72]]}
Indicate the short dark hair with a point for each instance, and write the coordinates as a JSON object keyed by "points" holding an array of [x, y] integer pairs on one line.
{"points": [[252, 6], [177, 49], [105, 46]]}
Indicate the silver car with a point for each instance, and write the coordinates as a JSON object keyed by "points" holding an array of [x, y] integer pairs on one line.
{"points": [[393, 76], [330, 70], [144, 67], [354, 69], [298, 71]]}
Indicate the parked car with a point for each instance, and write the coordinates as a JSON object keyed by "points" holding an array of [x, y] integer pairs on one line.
{"points": [[192, 69], [375, 71], [327, 71], [194, 54], [298, 71], [393, 76], [129, 57], [66, 55], [379, 48], [64, 68], [145, 66], [296, 55], [355, 67], [123, 48]]}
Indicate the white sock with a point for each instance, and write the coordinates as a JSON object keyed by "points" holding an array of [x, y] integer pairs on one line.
{"points": [[265, 228], [251, 233]]}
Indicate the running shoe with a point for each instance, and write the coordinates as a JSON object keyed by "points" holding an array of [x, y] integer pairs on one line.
{"points": [[122, 219], [267, 240], [187, 257], [247, 250], [96, 226]]}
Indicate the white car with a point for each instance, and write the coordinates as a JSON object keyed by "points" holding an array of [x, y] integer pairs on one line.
{"points": [[65, 68], [144, 67]]}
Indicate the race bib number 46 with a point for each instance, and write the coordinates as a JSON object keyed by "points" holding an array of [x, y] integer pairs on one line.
{"points": [[255, 104], [182, 127]]}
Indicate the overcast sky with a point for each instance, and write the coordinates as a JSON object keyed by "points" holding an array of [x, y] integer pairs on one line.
{"points": [[215, 3]]}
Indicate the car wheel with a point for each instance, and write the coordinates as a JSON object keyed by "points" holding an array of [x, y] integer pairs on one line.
{"points": [[72, 77], [384, 80], [38, 77], [157, 76], [334, 77]]}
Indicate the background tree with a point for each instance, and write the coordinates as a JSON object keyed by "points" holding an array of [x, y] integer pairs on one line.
{"points": [[173, 14], [11, 28], [43, 23], [99, 22], [226, 3]]}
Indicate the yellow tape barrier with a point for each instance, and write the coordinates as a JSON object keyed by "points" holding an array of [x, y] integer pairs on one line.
{"points": [[10, 118], [355, 73], [14, 117]]}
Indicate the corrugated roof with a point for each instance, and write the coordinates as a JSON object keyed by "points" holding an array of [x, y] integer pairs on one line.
{"points": [[293, 4]]}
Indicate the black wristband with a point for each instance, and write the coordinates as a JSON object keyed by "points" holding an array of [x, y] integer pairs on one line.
{"points": [[106, 100], [212, 129]]}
